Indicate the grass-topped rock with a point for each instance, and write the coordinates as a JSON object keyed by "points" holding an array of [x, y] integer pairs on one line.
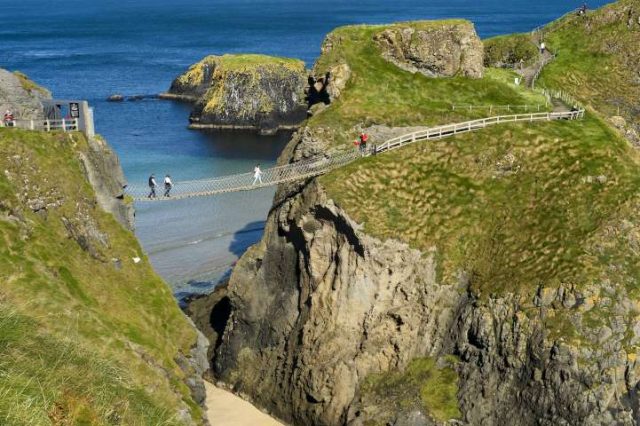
{"points": [[513, 249], [244, 92], [21, 95], [433, 48]]}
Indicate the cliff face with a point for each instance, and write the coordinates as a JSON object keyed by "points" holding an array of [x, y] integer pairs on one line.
{"points": [[323, 317], [244, 91], [326, 308], [490, 278], [20, 95], [434, 49]]}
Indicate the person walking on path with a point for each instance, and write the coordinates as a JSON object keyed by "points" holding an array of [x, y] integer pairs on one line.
{"points": [[167, 185], [152, 186], [543, 47], [257, 175], [364, 138]]}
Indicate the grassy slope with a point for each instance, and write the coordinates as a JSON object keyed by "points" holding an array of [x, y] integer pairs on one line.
{"points": [[598, 59], [379, 93], [513, 204], [82, 341], [518, 206], [424, 385], [510, 49]]}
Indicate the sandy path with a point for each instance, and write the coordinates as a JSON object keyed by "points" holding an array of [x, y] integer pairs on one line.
{"points": [[226, 409]]}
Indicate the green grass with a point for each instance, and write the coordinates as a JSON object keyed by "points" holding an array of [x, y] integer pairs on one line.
{"points": [[29, 85], [52, 379], [512, 204], [94, 310], [422, 385], [597, 60], [245, 63], [511, 50], [378, 92]]}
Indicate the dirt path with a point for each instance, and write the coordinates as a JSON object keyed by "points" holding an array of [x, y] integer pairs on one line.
{"points": [[226, 409]]}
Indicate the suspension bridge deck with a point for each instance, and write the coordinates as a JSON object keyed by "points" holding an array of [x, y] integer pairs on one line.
{"points": [[322, 164]]}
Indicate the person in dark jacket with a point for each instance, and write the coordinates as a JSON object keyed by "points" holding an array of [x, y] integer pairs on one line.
{"points": [[152, 186]]}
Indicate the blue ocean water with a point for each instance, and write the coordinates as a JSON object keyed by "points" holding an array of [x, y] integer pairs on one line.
{"points": [[90, 50]]}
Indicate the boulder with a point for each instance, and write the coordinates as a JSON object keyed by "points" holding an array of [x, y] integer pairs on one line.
{"points": [[435, 49], [244, 91]]}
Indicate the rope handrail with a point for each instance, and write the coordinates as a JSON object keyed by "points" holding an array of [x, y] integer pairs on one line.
{"points": [[322, 164]]}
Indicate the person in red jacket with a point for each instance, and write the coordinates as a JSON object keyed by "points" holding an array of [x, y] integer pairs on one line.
{"points": [[364, 138]]}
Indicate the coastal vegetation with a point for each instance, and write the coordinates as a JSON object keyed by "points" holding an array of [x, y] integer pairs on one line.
{"points": [[427, 384], [598, 61], [510, 50], [381, 93], [509, 203], [244, 91], [87, 335]]}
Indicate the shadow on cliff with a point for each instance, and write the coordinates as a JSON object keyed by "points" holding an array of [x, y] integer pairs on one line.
{"points": [[246, 237]]}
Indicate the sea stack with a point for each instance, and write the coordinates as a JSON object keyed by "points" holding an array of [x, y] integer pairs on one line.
{"points": [[257, 92]]}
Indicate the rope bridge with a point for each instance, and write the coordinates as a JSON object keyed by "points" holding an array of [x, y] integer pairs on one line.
{"points": [[322, 164]]}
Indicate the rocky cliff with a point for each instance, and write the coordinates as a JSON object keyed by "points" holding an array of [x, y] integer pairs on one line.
{"points": [[20, 95], [244, 92], [490, 278], [435, 49]]}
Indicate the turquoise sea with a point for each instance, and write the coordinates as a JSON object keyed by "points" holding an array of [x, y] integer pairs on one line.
{"points": [[90, 50]]}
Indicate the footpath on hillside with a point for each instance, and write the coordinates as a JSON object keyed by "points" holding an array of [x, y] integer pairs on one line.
{"points": [[227, 409]]}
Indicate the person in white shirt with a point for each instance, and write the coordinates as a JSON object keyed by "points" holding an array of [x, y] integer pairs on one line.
{"points": [[257, 175], [167, 185], [542, 47]]}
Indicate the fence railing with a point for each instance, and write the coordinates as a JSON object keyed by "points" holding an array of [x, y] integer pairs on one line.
{"points": [[491, 108], [546, 61], [563, 96], [66, 125], [322, 164], [469, 126]]}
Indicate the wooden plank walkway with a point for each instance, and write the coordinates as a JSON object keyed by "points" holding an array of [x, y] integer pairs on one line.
{"points": [[322, 164]]}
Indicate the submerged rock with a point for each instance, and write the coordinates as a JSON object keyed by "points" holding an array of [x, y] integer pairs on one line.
{"points": [[244, 92]]}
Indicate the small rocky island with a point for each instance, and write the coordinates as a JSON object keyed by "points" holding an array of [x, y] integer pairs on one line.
{"points": [[255, 92]]}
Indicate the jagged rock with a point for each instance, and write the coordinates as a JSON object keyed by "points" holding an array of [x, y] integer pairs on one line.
{"points": [[326, 89], [434, 49], [21, 96], [102, 169], [244, 91]]}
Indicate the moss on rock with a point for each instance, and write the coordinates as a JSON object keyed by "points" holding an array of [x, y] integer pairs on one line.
{"points": [[244, 91]]}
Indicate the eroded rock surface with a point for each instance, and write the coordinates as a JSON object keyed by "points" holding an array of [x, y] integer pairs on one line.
{"points": [[434, 49], [244, 91], [21, 96]]}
